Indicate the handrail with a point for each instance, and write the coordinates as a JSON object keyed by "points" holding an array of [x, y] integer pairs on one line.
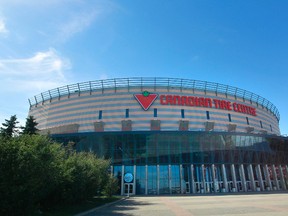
{"points": [[153, 82]]}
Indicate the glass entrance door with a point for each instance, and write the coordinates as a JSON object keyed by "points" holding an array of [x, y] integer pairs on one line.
{"points": [[128, 189]]}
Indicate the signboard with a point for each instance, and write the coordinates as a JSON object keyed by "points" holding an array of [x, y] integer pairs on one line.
{"points": [[146, 99], [128, 178]]}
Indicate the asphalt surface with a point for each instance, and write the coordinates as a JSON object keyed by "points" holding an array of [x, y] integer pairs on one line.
{"points": [[216, 205]]}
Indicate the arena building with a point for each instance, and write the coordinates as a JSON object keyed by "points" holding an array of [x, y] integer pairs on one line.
{"points": [[171, 136]]}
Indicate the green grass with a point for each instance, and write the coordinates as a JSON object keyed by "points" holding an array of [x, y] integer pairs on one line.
{"points": [[69, 210]]}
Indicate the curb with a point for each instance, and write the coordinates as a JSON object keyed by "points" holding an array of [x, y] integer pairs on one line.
{"points": [[99, 207]]}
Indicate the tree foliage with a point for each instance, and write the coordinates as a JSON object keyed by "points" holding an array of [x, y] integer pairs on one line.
{"points": [[10, 127], [37, 173], [30, 126]]}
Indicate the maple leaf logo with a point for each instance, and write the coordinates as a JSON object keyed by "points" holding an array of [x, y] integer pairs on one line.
{"points": [[145, 99]]}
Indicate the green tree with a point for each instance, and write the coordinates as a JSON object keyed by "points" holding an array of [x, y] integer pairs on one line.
{"points": [[111, 186], [30, 126], [38, 173], [30, 170], [10, 127]]}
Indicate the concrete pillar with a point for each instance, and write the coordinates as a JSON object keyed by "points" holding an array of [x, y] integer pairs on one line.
{"points": [[234, 178], [260, 177], [251, 177], [224, 177], [243, 178], [203, 179], [214, 179], [181, 179], [267, 177], [146, 179], [112, 171], [192, 180], [169, 176], [134, 180], [282, 181], [286, 173], [158, 178], [275, 177], [122, 181]]}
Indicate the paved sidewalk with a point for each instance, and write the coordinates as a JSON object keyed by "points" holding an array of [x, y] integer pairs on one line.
{"points": [[216, 205]]}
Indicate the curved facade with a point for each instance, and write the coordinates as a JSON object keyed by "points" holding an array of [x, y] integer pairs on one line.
{"points": [[171, 135]]}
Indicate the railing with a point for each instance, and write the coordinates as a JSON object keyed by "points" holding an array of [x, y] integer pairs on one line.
{"points": [[153, 82]]}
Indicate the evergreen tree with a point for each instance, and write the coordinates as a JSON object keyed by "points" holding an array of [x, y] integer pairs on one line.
{"points": [[10, 127], [30, 126]]}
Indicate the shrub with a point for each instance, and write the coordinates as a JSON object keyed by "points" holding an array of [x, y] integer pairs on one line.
{"points": [[39, 173]]}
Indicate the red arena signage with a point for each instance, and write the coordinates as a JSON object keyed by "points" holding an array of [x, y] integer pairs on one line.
{"points": [[146, 99], [206, 102]]}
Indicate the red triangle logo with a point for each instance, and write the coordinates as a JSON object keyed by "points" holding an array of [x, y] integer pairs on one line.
{"points": [[145, 99]]}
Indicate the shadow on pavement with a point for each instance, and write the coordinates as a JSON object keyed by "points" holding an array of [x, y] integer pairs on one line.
{"points": [[120, 208]]}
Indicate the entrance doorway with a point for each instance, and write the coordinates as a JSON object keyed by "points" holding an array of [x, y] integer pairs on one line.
{"points": [[128, 189]]}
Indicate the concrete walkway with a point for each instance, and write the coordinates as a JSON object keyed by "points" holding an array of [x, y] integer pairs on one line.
{"points": [[240, 204]]}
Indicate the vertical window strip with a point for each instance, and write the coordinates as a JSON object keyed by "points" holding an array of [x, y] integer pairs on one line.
{"points": [[155, 112], [182, 113], [207, 115], [127, 113], [100, 114], [247, 120], [229, 117]]}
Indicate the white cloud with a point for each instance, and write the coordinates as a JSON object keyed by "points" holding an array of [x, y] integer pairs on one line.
{"points": [[40, 72], [54, 20], [3, 29], [76, 24]]}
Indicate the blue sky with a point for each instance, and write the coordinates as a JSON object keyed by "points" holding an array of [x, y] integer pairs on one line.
{"points": [[50, 43]]}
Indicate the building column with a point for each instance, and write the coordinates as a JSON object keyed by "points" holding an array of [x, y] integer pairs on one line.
{"points": [[181, 179], [259, 173], [192, 188], [286, 172], [223, 168], [112, 171], [146, 179], [251, 176], [283, 184], [267, 177], [214, 180], [203, 179], [275, 177], [158, 178], [243, 178], [169, 177], [122, 181], [134, 181], [234, 189]]}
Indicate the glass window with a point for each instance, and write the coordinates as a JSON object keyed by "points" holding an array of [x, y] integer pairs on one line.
{"points": [[182, 113], [152, 180], [164, 180], [229, 117], [100, 114], [175, 179], [247, 120], [261, 124], [207, 115], [271, 127], [155, 112], [140, 179], [127, 113]]}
